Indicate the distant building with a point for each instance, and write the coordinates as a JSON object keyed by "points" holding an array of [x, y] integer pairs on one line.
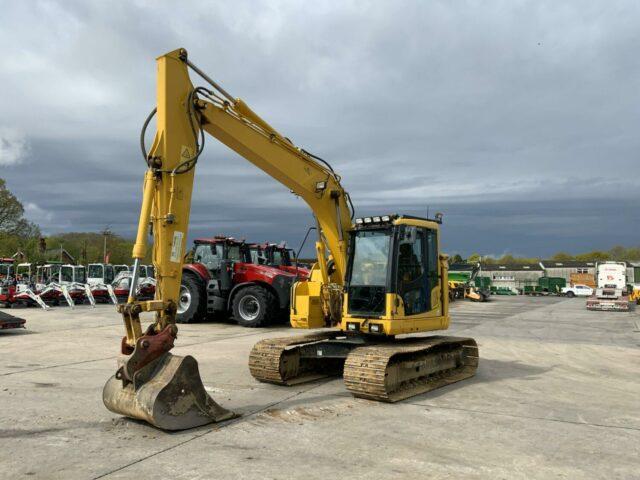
{"points": [[514, 276], [462, 267], [564, 269], [59, 255], [19, 256]]}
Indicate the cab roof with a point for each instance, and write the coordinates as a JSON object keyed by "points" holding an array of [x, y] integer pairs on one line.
{"points": [[217, 239], [377, 221]]}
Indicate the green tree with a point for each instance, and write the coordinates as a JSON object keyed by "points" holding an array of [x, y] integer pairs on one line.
{"points": [[457, 258], [508, 258], [16, 232], [595, 256], [562, 257], [11, 211], [474, 258]]}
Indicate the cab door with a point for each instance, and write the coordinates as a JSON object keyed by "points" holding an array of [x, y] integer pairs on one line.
{"points": [[418, 270], [433, 268], [411, 278]]}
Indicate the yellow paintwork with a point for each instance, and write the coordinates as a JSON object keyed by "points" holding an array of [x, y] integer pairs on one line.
{"points": [[635, 294], [280, 159], [394, 321], [307, 304], [167, 202], [167, 197]]}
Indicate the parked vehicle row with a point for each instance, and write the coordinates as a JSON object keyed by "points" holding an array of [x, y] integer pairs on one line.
{"points": [[248, 281], [53, 283]]}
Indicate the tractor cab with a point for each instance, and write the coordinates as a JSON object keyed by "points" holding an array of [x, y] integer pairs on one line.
{"points": [[277, 256], [257, 254], [215, 252], [100, 273], [224, 275], [270, 254], [393, 274]]}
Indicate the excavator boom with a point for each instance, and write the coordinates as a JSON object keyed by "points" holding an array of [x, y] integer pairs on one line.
{"points": [[150, 381]]}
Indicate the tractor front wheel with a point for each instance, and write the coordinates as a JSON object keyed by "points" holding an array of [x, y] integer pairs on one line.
{"points": [[192, 306], [254, 306]]}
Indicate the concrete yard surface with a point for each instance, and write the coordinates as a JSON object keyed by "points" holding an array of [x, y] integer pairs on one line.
{"points": [[557, 395]]}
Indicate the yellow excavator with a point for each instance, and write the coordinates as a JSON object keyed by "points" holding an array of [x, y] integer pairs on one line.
{"points": [[376, 277]]}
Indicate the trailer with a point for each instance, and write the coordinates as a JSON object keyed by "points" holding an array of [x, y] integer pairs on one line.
{"points": [[611, 289], [8, 322], [546, 286]]}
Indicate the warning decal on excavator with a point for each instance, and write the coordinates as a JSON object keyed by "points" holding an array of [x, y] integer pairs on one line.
{"points": [[185, 152], [176, 246]]}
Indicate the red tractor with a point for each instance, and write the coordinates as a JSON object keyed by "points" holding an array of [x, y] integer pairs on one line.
{"points": [[278, 256], [223, 279]]}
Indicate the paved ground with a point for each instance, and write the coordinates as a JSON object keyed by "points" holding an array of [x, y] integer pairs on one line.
{"points": [[557, 395]]}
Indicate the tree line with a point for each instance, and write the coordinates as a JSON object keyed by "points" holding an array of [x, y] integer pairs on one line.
{"points": [[18, 234], [617, 253]]}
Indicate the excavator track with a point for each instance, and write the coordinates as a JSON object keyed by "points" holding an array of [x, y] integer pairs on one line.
{"points": [[388, 371], [277, 360], [397, 370]]}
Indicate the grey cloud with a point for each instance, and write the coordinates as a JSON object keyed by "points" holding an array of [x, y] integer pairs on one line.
{"points": [[517, 119]]}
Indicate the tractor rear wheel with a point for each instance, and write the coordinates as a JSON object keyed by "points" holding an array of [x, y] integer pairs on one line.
{"points": [[255, 306], [192, 305]]}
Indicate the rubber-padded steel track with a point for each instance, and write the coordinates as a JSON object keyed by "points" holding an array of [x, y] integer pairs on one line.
{"points": [[276, 360], [397, 370], [388, 371]]}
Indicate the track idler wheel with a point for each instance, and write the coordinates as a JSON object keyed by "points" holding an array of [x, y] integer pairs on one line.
{"points": [[167, 393]]}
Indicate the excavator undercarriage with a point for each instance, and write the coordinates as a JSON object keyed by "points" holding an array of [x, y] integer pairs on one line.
{"points": [[387, 370]]}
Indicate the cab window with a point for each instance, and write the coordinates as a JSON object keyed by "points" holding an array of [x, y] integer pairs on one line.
{"points": [[80, 275], [207, 256], [67, 274], [412, 270], [234, 253], [433, 265], [108, 273]]}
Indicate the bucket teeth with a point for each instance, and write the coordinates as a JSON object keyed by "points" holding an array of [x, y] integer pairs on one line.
{"points": [[167, 393]]}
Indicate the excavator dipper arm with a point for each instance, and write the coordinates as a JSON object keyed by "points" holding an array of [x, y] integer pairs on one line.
{"points": [[151, 383]]}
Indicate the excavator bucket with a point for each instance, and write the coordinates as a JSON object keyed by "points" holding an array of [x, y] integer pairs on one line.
{"points": [[167, 393]]}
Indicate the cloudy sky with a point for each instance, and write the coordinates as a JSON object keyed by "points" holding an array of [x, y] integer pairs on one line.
{"points": [[518, 120]]}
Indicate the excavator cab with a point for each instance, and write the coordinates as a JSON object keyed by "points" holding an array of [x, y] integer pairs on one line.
{"points": [[393, 275]]}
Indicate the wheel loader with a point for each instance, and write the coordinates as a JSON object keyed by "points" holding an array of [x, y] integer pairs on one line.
{"points": [[376, 278]]}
